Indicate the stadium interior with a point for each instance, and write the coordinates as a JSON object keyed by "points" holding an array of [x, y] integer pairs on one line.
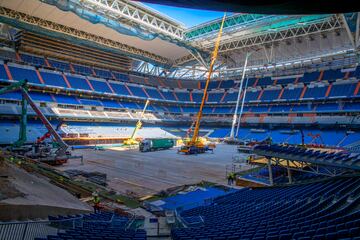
{"points": [[117, 121]]}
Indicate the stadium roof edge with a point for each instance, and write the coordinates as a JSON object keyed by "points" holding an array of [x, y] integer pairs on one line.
{"points": [[175, 21], [287, 7]]}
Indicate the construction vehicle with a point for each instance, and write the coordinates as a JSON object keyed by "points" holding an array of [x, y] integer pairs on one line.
{"points": [[48, 134], [54, 153], [196, 144], [315, 138], [149, 145], [132, 140]]}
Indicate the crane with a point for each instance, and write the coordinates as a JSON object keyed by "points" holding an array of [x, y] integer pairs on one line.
{"points": [[196, 145], [315, 137], [48, 134], [132, 140], [57, 154]]}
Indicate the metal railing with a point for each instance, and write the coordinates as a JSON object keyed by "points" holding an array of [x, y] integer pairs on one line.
{"points": [[33, 229]]}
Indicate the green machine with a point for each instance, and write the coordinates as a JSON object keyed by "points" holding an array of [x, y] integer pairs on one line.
{"points": [[148, 145]]}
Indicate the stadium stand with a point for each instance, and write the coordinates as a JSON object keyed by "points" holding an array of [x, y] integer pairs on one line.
{"points": [[103, 225], [322, 210], [93, 77]]}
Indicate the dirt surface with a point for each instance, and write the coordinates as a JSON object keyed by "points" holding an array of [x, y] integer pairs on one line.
{"points": [[23, 188], [150, 172], [7, 189]]}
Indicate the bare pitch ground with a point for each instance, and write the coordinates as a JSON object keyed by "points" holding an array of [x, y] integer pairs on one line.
{"points": [[150, 172]]}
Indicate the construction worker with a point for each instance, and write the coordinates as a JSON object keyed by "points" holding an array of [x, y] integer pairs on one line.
{"points": [[231, 178], [96, 201]]}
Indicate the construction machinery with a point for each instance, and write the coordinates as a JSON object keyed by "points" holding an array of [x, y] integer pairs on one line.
{"points": [[54, 153], [149, 145], [132, 140], [48, 134], [196, 144]]}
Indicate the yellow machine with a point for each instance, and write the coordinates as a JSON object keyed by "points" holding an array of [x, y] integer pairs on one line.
{"points": [[197, 144], [132, 140]]}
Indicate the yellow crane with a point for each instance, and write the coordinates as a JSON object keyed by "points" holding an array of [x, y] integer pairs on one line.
{"points": [[196, 144], [132, 140]]}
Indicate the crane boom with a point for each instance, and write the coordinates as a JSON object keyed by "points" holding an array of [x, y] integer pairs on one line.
{"points": [[139, 123], [213, 60], [63, 146], [26, 99]]}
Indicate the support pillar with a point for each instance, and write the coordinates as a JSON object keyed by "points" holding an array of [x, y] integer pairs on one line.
{"points": [[289, 171], [270, 172]]}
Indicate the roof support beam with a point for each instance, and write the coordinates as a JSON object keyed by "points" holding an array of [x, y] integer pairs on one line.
{"points": [[35, 24], [357, 32], [138, 14], [199, 58], [270, 37], [351, 35]]}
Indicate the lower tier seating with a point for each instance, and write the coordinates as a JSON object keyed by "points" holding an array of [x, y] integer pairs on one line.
{"points": [[321, 210], [99, 226]]}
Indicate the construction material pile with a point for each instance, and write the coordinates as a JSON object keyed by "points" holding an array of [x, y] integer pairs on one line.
{"points": [[95, 177]]}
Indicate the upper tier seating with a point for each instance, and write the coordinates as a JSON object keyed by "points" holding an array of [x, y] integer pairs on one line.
{"points": [[212, 85], [251, 95], [285, 81], [78, 82], [197, 96], [183, 96], [215, 97], [103, 73], [332, 74], [251, 82], [227, 84], [21, 73], [264, 81], [53, 79], [59, 65], [315, 92], [310, 77], [270, 94], [137, 91], [342, 90], [291, 93], [322, 210], [120, 89], [168, 95], [33, 60], [100, 85], [82, 69], [231, 97], [121, 76], [153, 93]]}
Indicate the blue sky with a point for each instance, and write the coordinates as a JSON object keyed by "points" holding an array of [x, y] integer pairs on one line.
{"points": [[189, 17]]}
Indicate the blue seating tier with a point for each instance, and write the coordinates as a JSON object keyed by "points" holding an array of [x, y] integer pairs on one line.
{"points": [[100, 86], [53, 79], [98, 226], [320, 210], [24, 73], [78, 82]]}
